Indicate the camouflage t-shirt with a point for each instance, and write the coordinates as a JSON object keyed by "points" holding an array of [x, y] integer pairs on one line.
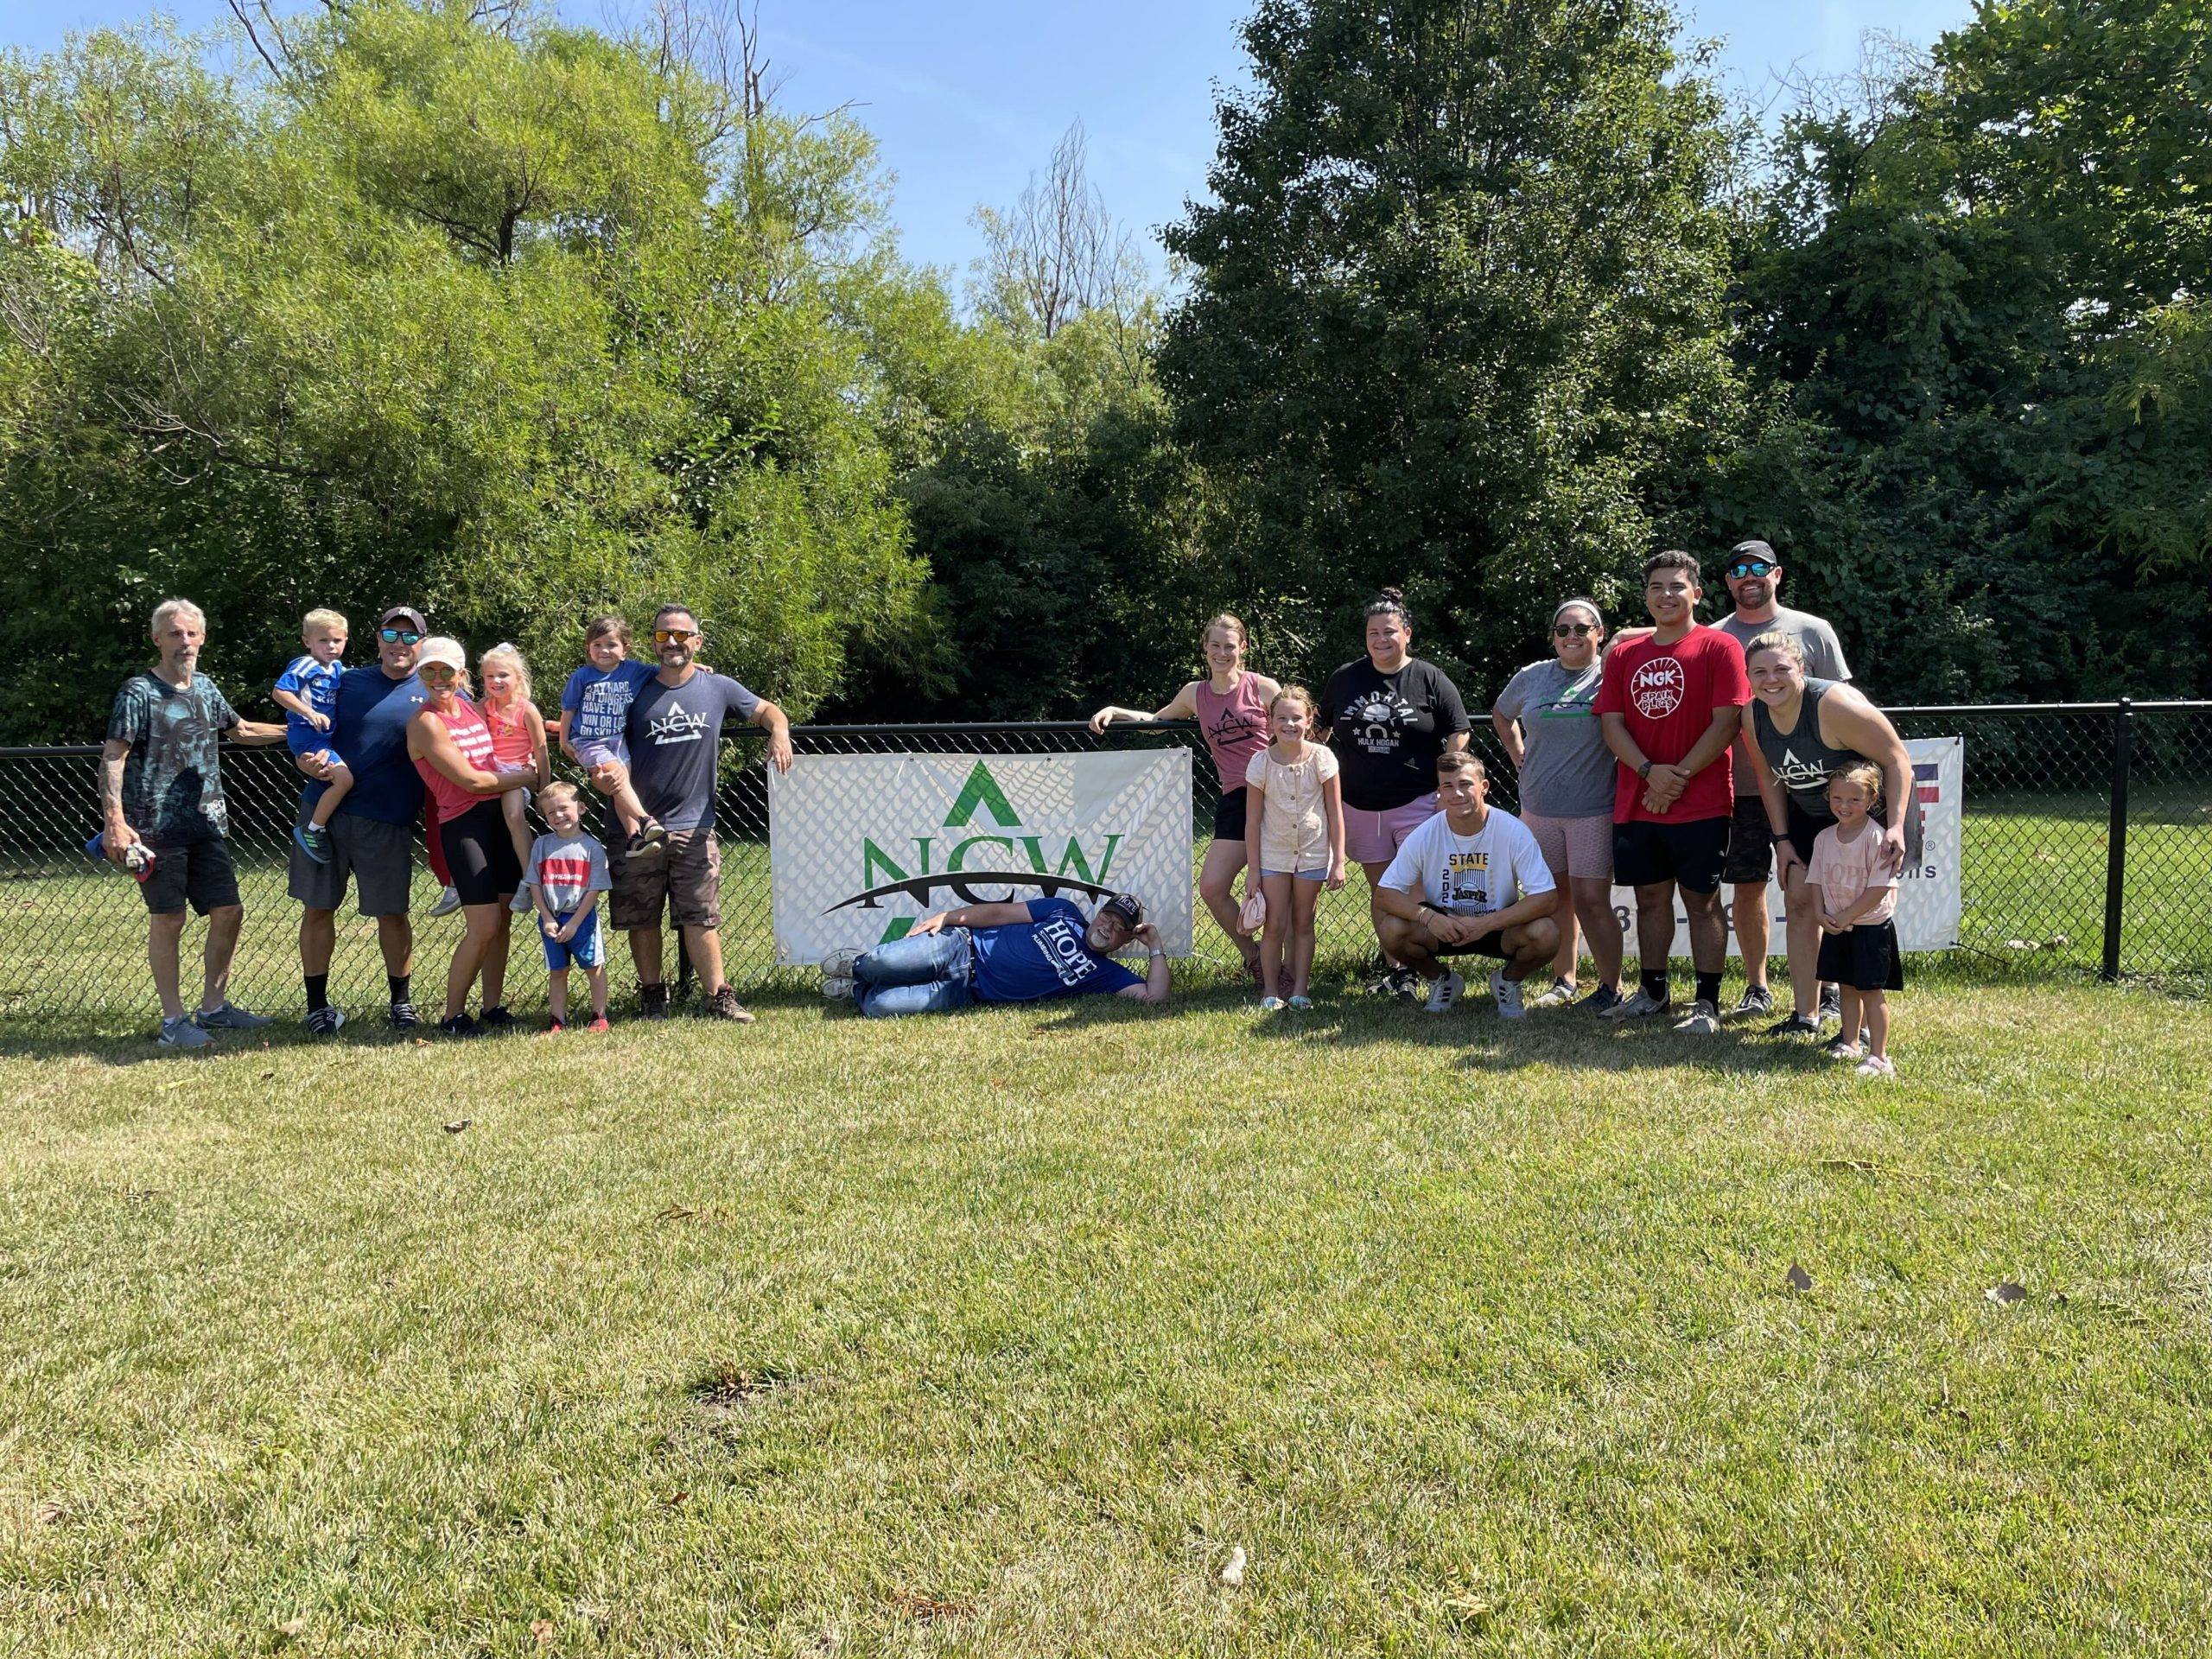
{"points": [[173, 780]]}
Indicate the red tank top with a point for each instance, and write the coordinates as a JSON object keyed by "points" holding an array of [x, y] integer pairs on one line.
{"points": [[473, 738], [511, 745], [1235, 726]]}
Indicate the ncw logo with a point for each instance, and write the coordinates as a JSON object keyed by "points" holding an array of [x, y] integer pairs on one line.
{"points": [[985, 865], [1658, 686]]}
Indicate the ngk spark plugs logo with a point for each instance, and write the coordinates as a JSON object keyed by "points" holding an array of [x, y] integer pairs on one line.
{"points": [[1658, 686], [860, 846]]}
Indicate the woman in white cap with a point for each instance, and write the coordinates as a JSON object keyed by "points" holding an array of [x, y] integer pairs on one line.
{"points": [[451, 747]]}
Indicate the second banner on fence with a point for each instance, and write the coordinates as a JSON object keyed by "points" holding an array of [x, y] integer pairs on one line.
{"points": [[861, 845]]}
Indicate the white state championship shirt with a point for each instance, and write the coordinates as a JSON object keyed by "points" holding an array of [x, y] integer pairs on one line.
{"points": [[1470, 875]]}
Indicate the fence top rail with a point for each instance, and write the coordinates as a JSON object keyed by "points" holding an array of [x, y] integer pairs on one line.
{"points": [[889, 729]]}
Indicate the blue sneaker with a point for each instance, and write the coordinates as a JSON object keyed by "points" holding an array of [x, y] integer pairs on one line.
{"points": [[315, 842]]}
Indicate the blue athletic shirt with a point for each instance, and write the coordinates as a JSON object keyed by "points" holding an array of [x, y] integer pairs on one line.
{"points": [[1046, 956], [369, 730], [598, 704], [316, 685]]}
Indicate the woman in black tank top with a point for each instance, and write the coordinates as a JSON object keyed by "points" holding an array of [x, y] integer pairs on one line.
{"points": [[1814, 728]]}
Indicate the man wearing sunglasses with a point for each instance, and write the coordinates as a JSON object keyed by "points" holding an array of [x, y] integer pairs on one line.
{"points": [[675, 733], [373, 832], [1754, 578]]}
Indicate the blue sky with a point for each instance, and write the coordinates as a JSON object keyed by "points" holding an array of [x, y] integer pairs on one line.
{"points": [[967, 99]]}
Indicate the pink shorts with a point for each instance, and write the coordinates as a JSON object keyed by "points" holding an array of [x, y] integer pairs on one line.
{"points": [[1375, 837], [1575, 847]]}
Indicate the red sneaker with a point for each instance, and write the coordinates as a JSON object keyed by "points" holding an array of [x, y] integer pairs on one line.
{"points": [[598, 1023]]}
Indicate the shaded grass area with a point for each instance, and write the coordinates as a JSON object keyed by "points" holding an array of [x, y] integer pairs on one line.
{"points": [[997, 1334]]}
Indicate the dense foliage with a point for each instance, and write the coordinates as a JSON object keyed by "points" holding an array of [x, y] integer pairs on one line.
{"points": [[518, 320]]}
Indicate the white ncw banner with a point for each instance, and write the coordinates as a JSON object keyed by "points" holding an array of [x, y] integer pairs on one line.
{"points": [[859, 845], [1928, 893]]}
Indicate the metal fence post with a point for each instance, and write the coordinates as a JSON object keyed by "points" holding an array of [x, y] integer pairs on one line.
{"points": [[2123, 754]]}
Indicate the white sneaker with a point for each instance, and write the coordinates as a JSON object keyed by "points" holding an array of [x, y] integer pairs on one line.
{"points": [[838, 965], [1703, 1020], [1875, 1065], [1443, 993], [448, 902], [838, 987], [1850, 1053], [1271, 1004], [1558, 996], [1508, 992], [1640, 1006]]}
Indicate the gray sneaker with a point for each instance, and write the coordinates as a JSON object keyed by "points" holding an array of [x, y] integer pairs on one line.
{"points": [[1561, 994], [1757, 1000], [230, 1017], [181, 1032], [448, 902], [1640, 1006], [1703, 1020]]}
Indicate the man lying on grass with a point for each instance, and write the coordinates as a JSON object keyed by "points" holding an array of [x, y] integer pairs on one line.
{"points": [[1470, 881], [1021, 951]]}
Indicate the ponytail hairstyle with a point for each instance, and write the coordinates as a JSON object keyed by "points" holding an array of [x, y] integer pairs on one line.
{"points": [[506, 652], [1867, 775], [1295, 694]]}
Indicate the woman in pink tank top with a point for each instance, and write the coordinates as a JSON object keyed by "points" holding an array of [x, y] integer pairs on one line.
{"points": [[1231, 705], [452, 749]]}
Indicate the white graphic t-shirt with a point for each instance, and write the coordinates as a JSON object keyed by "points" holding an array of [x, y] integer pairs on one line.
{"points": [[1470, 875]]}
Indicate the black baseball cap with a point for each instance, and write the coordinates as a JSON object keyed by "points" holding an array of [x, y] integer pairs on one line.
{"points": [[1753, 550], [406, 613], [1125, 908]]}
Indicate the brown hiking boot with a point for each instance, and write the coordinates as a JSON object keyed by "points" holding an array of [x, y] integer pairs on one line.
{"points": [[724, 1004]]}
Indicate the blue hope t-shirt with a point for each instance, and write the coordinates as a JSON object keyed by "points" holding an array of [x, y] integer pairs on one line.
{"points": [[369, 730], [597, 701], [1046, 957]]}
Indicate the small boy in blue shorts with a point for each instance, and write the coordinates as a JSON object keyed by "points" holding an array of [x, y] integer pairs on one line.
{"points": [[307, 693], [566, 875]]}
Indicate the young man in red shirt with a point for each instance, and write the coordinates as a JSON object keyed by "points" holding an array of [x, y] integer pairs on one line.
{"points": [[1669, 707]]}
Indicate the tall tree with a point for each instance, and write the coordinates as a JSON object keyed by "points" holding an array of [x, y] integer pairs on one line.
{"points": [[1455, 317]]}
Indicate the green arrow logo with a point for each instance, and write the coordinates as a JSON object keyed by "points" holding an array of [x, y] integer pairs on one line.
{"points": [[981, 789]]}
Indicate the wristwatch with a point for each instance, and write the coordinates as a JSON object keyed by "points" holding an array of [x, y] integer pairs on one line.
{"points": [[1644, 771], [1777, 836]]}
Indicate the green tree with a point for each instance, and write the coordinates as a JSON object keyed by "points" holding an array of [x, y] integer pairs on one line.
{"points": [[1455, 316]]}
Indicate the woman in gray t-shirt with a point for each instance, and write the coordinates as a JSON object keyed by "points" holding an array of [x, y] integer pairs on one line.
{"points": [[1546, 720]]}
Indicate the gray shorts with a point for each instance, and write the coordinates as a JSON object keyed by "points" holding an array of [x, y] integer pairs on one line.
{"points": [[378, 857]]}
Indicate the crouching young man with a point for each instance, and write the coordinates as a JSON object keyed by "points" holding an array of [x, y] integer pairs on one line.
{"points": [[1019, 951], [1470, 881]]}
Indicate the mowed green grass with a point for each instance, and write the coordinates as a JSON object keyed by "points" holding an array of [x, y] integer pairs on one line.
{"points": [[997, 1334]]}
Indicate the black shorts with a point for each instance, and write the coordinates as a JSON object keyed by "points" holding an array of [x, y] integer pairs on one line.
{"points": [[1750, 842], [480, 854], [1490, 944], [1228, 815], [1866, 958], [1688, 854], [195, 873]]}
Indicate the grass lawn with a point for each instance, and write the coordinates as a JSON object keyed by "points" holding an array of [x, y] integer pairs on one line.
{"points": [[998, 1335]]}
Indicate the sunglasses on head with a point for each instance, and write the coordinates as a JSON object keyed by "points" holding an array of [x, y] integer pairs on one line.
{"points": [[674, 636], [1579, 630], [399, 636], [1743, 568]]}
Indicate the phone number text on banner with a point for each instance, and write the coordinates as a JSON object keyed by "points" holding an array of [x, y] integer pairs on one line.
{"points": [[861, 845]]}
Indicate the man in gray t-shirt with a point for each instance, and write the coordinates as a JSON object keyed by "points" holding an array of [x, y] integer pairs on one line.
{"points": [[1754, 577]]}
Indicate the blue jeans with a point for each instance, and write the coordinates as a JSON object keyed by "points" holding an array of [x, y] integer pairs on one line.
{"points": [[927, 973]]}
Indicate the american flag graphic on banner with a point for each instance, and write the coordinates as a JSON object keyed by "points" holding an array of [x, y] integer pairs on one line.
{"points": [[1927, 782]]}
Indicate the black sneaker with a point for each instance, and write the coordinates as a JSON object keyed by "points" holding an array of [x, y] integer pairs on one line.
{"points": [[402, 1017], [1797, 1025], [459, 1026], [724, 1004], [496, 1017], [1831, 1005], [1406, 985], [652, 1001], [323, 1020], [1599, 1000], [1756, 999]]}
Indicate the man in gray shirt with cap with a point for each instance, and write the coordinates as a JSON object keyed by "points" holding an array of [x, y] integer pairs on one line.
{"points": [[1754, 578]]}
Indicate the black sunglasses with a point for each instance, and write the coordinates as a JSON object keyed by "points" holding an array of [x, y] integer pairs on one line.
{"points": [[1578, 629], [1743, 568], [399, 636]]}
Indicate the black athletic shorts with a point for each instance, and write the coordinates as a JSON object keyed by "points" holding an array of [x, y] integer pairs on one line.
{"points": [[1688, 854], [481, 855], [1750, 842], [1866, 957], [1228, 815], [1490, 944], [195, 873]]}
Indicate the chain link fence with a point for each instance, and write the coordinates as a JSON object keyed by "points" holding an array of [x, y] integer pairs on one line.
{"points": [[2088, 850]]}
